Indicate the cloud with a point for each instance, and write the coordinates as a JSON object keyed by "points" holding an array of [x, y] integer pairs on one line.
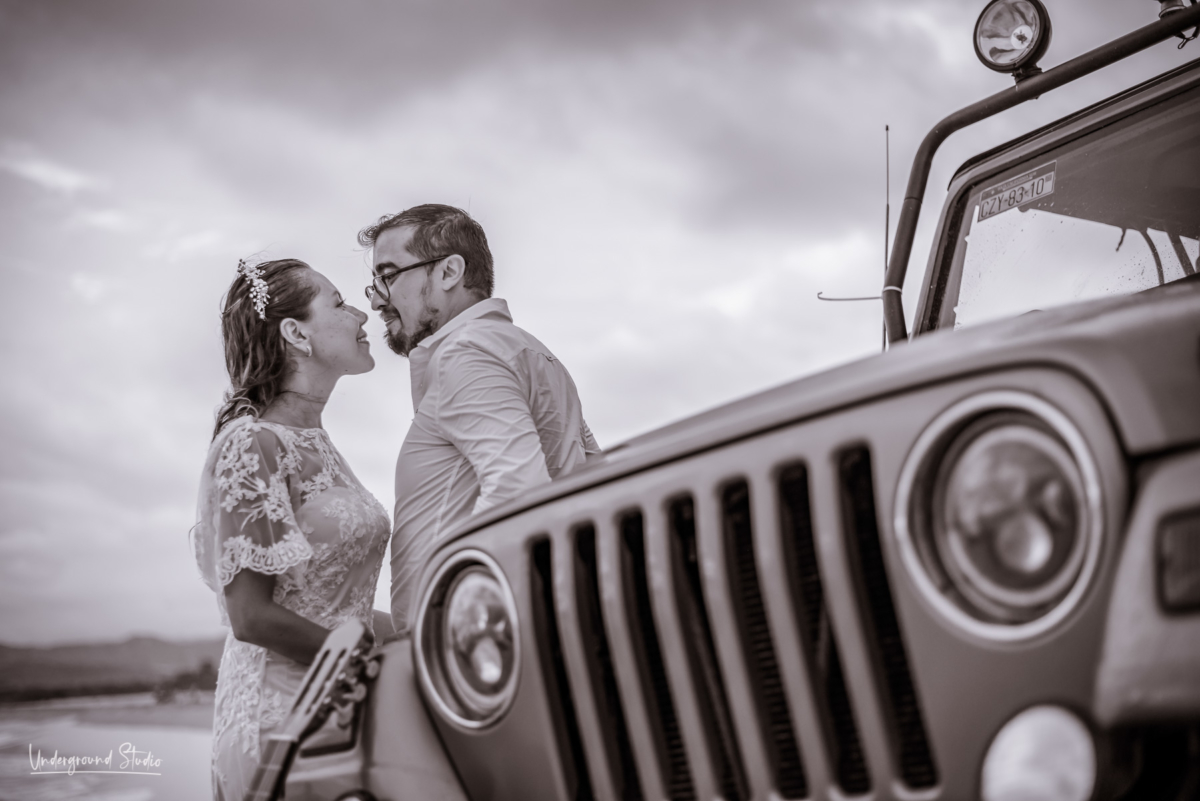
{"points": [[111, 220], [88, 287], [48, 174], [185, 246]]}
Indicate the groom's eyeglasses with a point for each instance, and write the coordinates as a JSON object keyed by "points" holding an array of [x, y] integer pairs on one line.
{"points": [[382, 284]]}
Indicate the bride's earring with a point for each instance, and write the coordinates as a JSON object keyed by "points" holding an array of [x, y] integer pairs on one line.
{"points": [[308, 350]]}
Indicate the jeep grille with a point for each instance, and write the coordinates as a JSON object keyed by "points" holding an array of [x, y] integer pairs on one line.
{"points": [[627, 589]]}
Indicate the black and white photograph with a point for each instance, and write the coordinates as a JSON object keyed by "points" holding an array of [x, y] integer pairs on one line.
{"points": [[615, 400]]}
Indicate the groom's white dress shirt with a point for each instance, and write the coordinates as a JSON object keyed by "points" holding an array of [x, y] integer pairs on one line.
{"points": [[496, 414]]}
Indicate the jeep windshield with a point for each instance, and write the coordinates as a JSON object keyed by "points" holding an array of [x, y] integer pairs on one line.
{"points": [[1113, 212]]}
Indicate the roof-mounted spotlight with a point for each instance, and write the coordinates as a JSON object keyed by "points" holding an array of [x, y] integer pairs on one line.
{"points": [[1012, 36]]}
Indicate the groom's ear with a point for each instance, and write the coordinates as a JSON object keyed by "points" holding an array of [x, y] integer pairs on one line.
{"points": [[451, 271]]}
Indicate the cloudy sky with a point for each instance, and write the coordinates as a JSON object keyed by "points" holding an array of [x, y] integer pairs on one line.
{"points": [[666, 186]]}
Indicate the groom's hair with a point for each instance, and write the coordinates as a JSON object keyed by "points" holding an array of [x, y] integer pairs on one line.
{"points": [[439, 230]]}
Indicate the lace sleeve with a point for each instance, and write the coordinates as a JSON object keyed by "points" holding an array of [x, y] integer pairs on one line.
{"points": [[247, 520]]}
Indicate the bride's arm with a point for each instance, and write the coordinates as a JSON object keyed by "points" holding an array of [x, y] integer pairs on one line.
{"points": [[256, 618]]}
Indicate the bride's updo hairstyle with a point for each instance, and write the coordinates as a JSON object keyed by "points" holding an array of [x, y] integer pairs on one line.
{"points": [[256, 354]]}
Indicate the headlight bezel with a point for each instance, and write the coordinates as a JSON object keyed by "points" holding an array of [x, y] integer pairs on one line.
{"points": [[916, 490], [429, 647]]}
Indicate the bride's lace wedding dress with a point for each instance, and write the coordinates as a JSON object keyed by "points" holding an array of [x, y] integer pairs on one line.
{"points": [[280, 501]]}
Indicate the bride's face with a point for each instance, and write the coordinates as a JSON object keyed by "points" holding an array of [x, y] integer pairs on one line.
{"points": [[335, 331]]}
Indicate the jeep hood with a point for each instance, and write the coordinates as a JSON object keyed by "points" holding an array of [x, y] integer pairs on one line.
{"points": [[1140, 353]]}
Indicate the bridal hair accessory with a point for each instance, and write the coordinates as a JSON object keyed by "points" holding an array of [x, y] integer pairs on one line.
{"points": [[258, 287]]}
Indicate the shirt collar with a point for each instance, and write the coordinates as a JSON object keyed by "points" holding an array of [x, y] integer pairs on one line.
{"points": [[490, 308], [418, 360]]}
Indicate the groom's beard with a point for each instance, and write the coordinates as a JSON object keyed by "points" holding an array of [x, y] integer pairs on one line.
{"points": [[402, 343]]}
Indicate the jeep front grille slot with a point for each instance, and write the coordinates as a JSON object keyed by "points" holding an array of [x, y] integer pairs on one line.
{"points": [[779, 736], [702, 655], [664, 725], [600, 666], [554, 672], [820, 644], [901, 708]]}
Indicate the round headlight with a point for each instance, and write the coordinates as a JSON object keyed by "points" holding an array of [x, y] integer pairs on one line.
{"points": [[477, 642], [998, 515], [467, 645], [1012, 35], [1043, 754], [1007, 518]]}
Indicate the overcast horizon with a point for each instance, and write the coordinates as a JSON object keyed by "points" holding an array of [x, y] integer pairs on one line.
{"points": [[665, 187]]}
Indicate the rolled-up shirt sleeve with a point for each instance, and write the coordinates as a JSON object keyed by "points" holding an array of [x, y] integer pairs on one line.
{"points": [[484, 411]]}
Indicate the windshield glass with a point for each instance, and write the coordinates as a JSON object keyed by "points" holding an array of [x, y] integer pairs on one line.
{"points": [[1114, 212]]}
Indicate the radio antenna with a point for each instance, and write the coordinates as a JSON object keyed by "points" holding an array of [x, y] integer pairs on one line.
{"points": [[887, 209], [887, 221]]}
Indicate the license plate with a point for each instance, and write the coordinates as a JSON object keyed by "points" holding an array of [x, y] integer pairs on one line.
{"points": [[1025, 187]]}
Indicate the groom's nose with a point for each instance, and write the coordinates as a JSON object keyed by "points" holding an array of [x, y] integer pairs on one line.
{"points": [[378, 303]]}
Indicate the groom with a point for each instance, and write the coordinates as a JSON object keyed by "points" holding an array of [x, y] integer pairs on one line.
{"points": [[496, 413]]}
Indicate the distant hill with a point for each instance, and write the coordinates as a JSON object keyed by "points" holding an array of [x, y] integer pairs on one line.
{"points": [[135, 665]]}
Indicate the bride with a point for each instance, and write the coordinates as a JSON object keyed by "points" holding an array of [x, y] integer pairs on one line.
{"points": [[286, 536]]}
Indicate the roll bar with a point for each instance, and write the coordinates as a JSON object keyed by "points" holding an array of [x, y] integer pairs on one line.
{"points": [[1028, 89]]}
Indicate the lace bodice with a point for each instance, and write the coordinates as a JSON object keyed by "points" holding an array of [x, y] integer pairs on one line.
{"points": [[282, 501]]}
